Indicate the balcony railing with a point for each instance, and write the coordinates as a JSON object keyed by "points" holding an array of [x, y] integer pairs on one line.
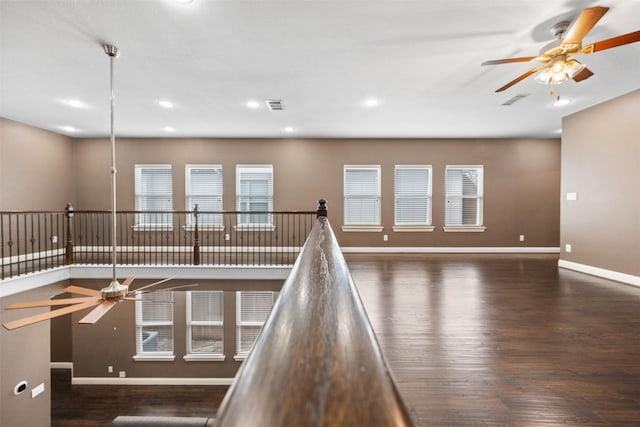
{"points": [[316, 361], [35, 241]]}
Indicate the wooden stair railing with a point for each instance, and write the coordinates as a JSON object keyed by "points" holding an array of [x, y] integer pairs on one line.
{"points": [[316, 361]]}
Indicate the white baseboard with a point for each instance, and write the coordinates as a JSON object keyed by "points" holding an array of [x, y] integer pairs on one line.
{"points": [[61, 365], [452, 250], [149, 381], [600, 272]]}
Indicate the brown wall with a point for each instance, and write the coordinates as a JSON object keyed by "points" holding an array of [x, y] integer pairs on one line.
{"points": [[601, 162], [36, 168], [24, 355], [522, 180]]}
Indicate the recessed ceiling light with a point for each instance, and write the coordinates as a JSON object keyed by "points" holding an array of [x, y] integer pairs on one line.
{"points": [[184, 1], [68, 128], [288, 129], [371, 103], [165, 103], [252, 104], [168, 129], [75, 103], [561, 102]]}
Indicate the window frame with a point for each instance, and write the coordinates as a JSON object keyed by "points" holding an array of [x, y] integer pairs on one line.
{"points": [[417, 226], [479, 197], [203, 223], [241, 355], [241, 224], [142, 224], [190, 354], [140, 323], [362, 226]]}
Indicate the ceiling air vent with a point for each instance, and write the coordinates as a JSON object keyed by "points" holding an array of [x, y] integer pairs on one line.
{"points": [[516, 99], [275, 104]]}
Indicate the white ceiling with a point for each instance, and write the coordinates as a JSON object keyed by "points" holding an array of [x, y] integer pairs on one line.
{"points": [[323, 59]]}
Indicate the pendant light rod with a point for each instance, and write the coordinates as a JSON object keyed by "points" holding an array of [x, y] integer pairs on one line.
{"points": [[113, 53]]}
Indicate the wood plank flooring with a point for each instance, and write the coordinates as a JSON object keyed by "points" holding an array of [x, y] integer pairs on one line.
{"points": [[472, 340]]}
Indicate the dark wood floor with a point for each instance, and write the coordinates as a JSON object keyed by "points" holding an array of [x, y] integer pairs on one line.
{"points": [[471, 340]]}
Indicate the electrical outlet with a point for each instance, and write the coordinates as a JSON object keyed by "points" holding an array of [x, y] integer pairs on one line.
{"points": [[385, 237], [122, 374], [54, 239], [110, 369], [522, 237], [567, 248], [227, 237]]}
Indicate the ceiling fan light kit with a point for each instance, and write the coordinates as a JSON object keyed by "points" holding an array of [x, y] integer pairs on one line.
{"points": [[557, 65]]}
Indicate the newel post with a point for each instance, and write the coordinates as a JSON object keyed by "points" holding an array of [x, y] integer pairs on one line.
{"points": [[322, 208], [68, 250], [196, 238]]}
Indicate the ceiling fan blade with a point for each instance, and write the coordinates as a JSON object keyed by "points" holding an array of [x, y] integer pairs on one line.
{"points": [[152, 284], [520, 78], [95, 314], [583, 75], [509, 60], [612, 42], [50, 314], [128, 281], [50, 302], [583, 24], [83, 291], [165, 289]]}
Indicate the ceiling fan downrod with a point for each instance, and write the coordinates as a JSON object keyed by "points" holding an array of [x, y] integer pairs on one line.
{"points": [[115, 290]]}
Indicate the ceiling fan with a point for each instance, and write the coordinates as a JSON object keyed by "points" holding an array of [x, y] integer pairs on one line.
{"points": [[106, 298], [556, 60]]}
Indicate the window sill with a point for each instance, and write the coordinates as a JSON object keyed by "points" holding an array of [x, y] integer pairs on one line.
{"points": [[362, 228], [240, 357], [152, 228], [464, 229], [413, 228], [203, 227], [204, 357], [254, 227], [154, 358]]}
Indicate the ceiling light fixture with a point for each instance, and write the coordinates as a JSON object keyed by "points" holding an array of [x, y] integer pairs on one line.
{"points": [[165, 103], [74, 103], [184, 1], [168, 129], [288, 129], [371, 103], [68, 128], [561, 102], [252, 104]]}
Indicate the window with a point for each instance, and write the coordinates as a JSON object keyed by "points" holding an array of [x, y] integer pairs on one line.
{"points": [[252, 309], [154, 193], [463, 197], [254, 193], [205, 323], [154, 324], [412, 197], [361, 196], [204, 188]]}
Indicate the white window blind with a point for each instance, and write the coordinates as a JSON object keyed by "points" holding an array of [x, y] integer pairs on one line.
{"points": [[254, 193], [154, 192], [252, 310], [204, 188], [154, 323], [205, 322], [413, 195], [463, 195], [362, 195]]}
